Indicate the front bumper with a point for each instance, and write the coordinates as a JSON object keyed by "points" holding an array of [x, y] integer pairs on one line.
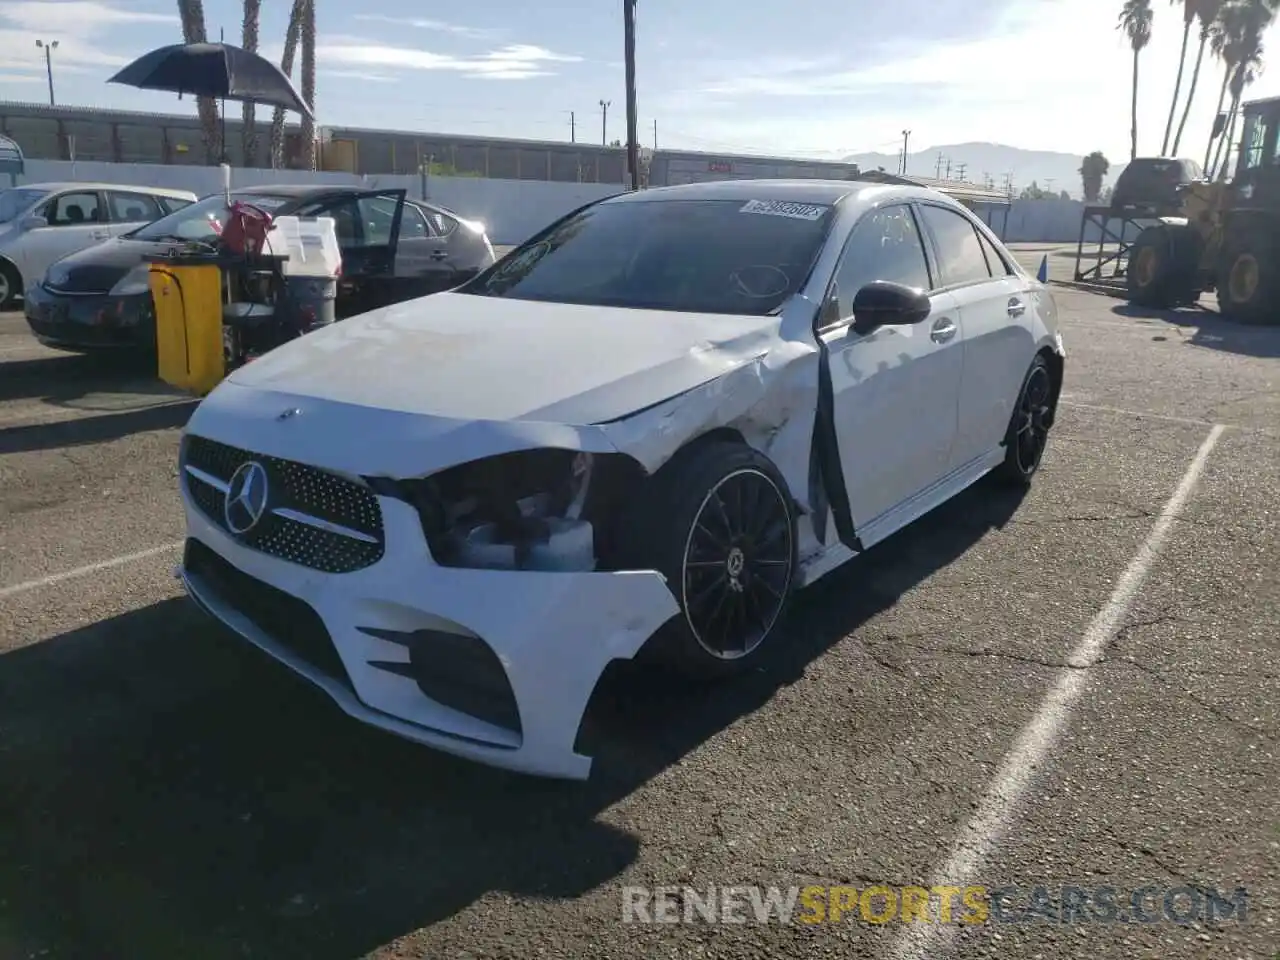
{"points": [[89, 321], [552, 634]]}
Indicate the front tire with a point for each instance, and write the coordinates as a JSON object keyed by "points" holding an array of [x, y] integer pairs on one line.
{"points": [[719, 523], [1248, 285], [10, 285], [1028, 431]]}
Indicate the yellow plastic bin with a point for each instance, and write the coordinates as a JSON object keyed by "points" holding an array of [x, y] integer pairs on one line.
{"points": [[188, 298]]}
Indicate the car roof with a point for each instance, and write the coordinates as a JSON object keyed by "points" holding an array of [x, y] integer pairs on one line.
{"points": [[826, 192], [91, 185], [796, 191]]}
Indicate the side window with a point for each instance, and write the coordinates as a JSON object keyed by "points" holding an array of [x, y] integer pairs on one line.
{"points": [[71, 209], [173, 204], [413, 225], [998, 264], [885, 245], [441, 223], [376, 217], [959, 251], [133, 207]]}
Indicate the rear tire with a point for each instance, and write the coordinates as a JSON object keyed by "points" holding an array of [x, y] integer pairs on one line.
{"points": [[1248, 279], [1028, 433], [718, 522]]}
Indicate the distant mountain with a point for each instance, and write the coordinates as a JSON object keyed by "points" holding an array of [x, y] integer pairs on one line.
{"points": [[1052, 171]]}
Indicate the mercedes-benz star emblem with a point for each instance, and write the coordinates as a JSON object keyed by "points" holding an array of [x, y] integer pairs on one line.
{"points": [[291, 412], [246, 498]]}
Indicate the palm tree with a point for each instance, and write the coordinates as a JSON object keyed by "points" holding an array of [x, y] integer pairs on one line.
{"points": [[193, 31], [1092, 170], [296, 16], [1244, 23], [308, 127], [1135, 21], [1188, 18], [1208, 13], [249, 131]]}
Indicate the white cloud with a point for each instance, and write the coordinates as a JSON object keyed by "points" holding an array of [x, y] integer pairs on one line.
{"points": [[358, 75], [78, 17], [1055, 75], [77, 27], [514, 62], [437, 25]]}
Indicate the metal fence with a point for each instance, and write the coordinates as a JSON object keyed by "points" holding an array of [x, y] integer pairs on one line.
{"points": [[116, 136]]}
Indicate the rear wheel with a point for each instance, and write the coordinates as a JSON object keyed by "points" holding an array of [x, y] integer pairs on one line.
{"points": [[1028, 432], [1248, 288], [718, 522]]}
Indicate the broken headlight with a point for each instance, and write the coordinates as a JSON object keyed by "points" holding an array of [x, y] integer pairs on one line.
{"points": [[544, 509]]}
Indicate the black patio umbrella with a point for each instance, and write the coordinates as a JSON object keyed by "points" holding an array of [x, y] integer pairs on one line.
{"points": [[216, 70]]}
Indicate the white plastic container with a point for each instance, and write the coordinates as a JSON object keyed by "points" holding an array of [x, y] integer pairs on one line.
{"points": [[310, 244]]}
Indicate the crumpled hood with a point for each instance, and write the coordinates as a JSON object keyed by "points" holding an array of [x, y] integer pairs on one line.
{"points": [[462, 357]]}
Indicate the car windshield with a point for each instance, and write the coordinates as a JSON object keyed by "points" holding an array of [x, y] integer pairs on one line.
{"points": [[695, 256], [13, 202], [202, 221]]}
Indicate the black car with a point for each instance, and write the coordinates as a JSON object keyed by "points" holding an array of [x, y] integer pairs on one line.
{"points": [[392, 250]]}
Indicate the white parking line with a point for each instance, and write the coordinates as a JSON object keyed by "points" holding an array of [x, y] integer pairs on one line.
{"points": [[1027, 759], [1122, 411], [49, 581]]}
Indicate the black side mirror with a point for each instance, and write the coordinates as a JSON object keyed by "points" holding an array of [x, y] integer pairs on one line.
{"points": [[1219, 124], [884, 304]]}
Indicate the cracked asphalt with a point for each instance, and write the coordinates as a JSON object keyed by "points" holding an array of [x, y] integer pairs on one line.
{"points": [[167, 792]]}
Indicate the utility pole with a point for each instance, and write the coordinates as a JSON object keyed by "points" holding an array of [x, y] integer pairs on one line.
{"points": [[633, 134], [604, 122], [906, 136], [573, 127], [655, 134], [48, 47], [960, 168], [948, 168], [937, 172]]}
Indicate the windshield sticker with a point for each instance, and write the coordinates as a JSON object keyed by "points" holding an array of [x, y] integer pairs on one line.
{"points": [[781, 208]]}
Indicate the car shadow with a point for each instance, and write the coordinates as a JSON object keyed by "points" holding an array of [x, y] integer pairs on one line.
{"points": [[1212, 331], [170, 792]]}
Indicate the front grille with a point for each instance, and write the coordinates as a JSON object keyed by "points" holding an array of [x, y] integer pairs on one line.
{"points": [[287, 620], [313, 518]]}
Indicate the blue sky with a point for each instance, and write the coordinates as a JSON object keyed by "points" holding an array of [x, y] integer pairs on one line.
{"points": [[804, 77]]}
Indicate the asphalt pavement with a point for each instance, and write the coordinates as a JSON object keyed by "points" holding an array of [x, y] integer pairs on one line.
{"points": [[1078, 687]]}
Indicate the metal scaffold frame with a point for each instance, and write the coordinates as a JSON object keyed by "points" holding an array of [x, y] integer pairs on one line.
{"points": [[1132, 221]]}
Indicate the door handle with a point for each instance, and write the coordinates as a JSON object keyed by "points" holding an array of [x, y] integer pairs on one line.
{"points": [[439, 255], [943, 330], [99, 234], [1016, 307]]}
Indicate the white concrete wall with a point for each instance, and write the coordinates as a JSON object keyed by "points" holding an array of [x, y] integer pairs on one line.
{"points": [[512, 210]]}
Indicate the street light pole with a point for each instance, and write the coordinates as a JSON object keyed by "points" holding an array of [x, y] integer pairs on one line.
{"points": [[48, 64], [604, 122], [633, 136]]}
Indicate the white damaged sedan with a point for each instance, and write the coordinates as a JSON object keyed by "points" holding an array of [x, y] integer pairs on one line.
{"points": [[645, 427]]}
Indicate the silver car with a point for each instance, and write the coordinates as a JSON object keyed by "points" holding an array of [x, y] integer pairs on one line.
{"points": [[41, 223]]}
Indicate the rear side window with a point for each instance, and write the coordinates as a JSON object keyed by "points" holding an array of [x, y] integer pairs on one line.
{"points": [[999, 265], [441, 223], [173, 204], [133, 207], [959, 251]]}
